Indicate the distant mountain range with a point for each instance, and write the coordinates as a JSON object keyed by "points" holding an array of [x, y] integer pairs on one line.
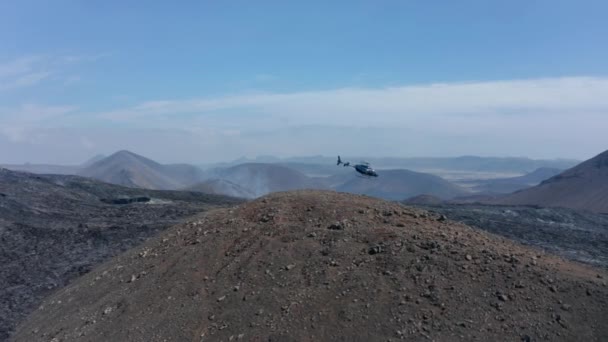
{"points": [[323, 166], [253, 179], [257, 179], [584, 186], [402, 184], [518, 165]]}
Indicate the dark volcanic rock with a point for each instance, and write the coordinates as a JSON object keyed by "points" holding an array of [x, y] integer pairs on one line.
{"points": [[420, 287], [576, 235], [55, 228], [126, 200]]}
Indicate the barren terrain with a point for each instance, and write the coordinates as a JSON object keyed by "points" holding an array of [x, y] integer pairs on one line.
{"points": [[55, 228], [577, 235], [325, 266]]}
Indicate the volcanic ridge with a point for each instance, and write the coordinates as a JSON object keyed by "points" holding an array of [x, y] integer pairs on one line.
{"points": [[326, 266], [583, 187]]}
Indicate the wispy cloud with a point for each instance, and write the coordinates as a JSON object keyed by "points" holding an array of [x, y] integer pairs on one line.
{"points": [[17, 66], [394, 105], [22, 72], [84, 58], [521, 117], [29, 71]]}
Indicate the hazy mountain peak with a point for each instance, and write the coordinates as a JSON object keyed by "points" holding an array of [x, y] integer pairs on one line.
{"points": [[130, 169], [93, 160], [125, 153]]}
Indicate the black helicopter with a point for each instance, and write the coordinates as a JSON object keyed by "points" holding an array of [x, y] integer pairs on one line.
{"points": [[364, 168]]}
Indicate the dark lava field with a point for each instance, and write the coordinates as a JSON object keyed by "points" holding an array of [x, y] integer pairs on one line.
{"points": [[56, 228], [575, 235]]}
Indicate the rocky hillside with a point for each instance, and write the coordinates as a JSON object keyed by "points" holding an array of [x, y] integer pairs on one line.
{"points": [[55, 228], [573, 234], [583, 187], [325, 266]]}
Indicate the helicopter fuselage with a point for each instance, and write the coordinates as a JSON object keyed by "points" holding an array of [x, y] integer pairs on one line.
{"points": [[362, 168], [365, 170]]}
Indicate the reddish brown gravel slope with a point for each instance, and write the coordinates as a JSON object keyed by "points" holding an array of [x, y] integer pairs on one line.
{"points": [[325, 266]]}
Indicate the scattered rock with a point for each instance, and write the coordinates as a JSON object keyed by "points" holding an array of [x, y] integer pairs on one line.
{"points": [[336, 226], [561, 321], [375, 250]]}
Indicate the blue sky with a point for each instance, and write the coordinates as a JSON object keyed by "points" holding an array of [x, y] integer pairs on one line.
{"points": [[215, 80]]}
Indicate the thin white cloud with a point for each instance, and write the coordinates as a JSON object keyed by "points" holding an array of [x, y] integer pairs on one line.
{"points": [[395, 105], [29, 71], [17, 66], [22, 72], [537, 117], [85, 58], [28, 79]]}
